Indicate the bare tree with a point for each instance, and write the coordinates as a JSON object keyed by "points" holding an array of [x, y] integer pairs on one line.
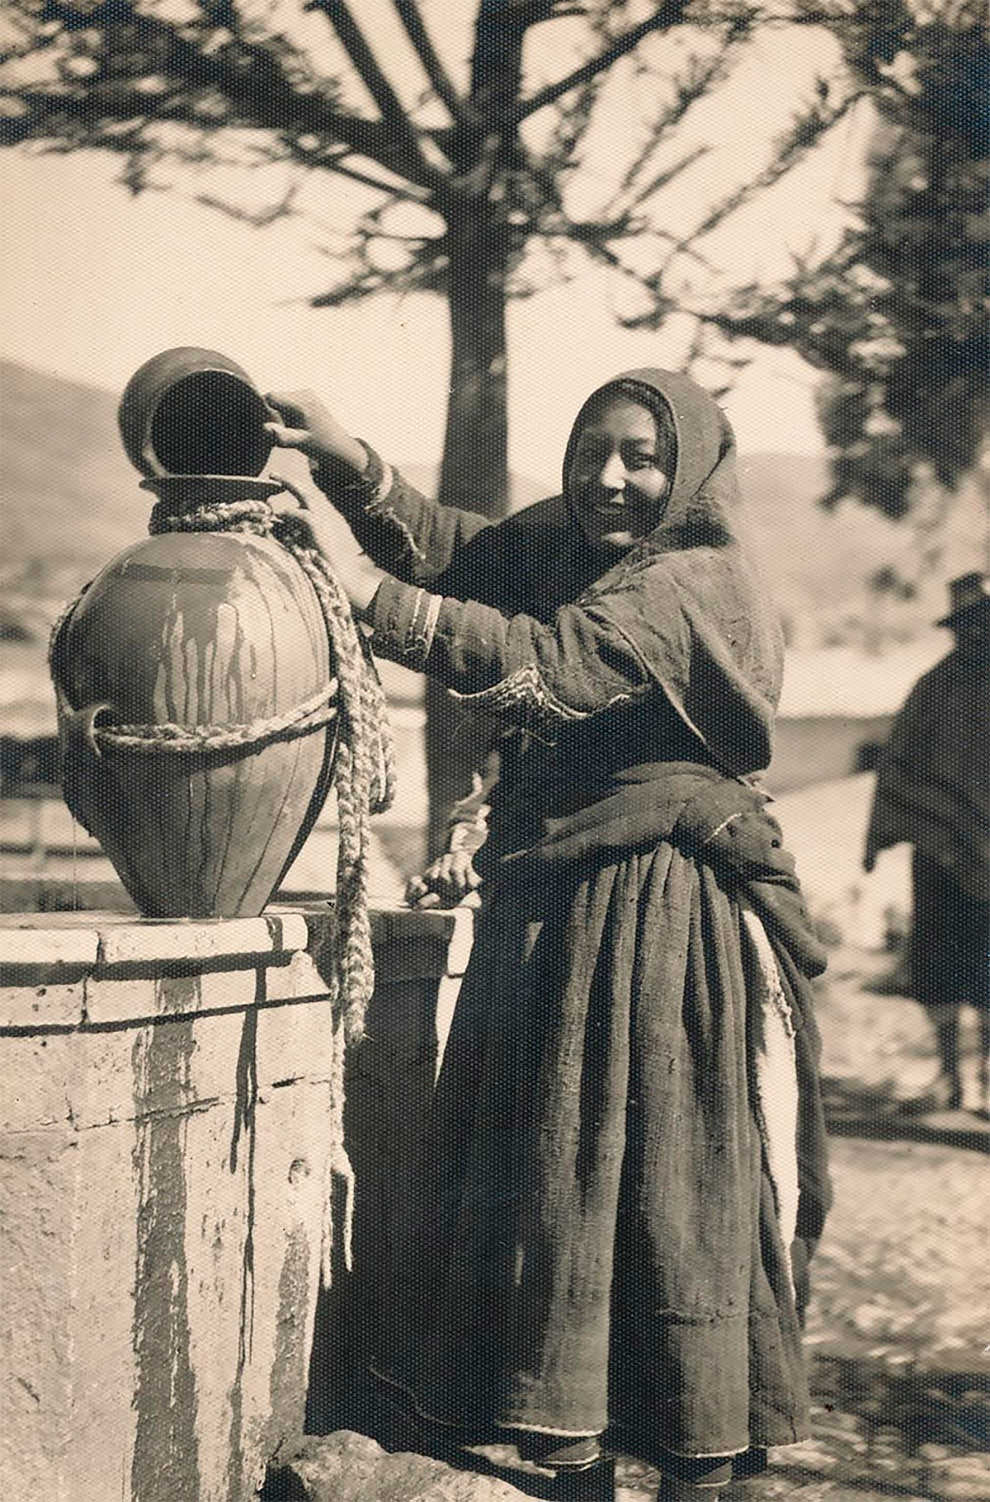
{"points": [[465, 178]]}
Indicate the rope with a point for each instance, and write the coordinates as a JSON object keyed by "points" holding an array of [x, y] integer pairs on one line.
{"points": [[301, 720], [364, 780]]}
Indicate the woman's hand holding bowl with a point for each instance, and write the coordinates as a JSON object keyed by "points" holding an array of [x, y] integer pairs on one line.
{"points": [[304, 423]]}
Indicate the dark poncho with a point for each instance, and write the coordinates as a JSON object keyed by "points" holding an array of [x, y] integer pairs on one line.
{"points": [[628, 1104], [933, 790]]}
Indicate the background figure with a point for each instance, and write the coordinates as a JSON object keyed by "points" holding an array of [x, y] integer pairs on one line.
{"points": [[933, 791]]}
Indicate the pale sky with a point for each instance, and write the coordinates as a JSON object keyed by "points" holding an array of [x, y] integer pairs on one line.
{"points": [[95, 281]]}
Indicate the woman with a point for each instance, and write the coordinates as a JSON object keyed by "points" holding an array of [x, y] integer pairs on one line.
{"points": [[627, 1154]]}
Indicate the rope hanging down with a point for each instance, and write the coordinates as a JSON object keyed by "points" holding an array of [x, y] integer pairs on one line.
{"points": [[364, 775], [364, 771]]}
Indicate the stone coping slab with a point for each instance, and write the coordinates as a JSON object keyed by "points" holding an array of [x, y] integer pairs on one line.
{"points": [[70, 970]]}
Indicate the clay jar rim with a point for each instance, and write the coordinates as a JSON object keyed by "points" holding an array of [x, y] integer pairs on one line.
{"points": [[158, 379]]}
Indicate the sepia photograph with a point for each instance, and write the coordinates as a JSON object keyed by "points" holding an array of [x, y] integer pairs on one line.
{"points": [[494, 773]]}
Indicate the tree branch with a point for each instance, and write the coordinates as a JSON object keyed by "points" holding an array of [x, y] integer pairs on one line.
{"points": [[43, 110], [258, 218], [670, 12], [249, 77], [435, 71], [407, 143], [689, 89], [409, 192], [572, 125], [662, 179], [806, 131]]}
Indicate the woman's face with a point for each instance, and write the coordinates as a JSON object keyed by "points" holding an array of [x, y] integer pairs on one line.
{"points": [[617, 485]]}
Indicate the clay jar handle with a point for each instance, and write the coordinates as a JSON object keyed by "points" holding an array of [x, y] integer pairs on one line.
{"points": [[80, 757], [78, 727]]}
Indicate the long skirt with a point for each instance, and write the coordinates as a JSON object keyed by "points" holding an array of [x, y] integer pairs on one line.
{"points": [[599, 1246]]}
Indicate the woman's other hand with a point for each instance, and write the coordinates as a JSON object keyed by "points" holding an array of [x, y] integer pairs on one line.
{"points": [[448, 881], [316, 524], [304, 423]]}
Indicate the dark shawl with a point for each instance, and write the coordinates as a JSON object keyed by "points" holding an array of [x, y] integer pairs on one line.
{"points": [[688, 600], [683, 609], [933, 790]]}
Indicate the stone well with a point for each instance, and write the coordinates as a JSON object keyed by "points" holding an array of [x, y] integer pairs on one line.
{"points": [[164, 1126]]}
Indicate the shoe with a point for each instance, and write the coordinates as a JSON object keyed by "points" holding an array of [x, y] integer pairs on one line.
{"points": [[581, 1473], [672, 1490], [699, 1481], [594, 1482], [752, 1462], [554, 1451], [983, 1071]]}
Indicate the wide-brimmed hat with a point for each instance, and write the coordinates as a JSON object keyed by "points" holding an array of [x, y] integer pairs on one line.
{"points": [[967, 593]]}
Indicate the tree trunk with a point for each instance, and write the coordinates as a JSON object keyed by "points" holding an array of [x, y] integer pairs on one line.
{"points": [[475, 463], [474, 474]]}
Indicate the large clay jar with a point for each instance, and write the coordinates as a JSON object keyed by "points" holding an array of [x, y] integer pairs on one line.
{"points": [[186, 630]]}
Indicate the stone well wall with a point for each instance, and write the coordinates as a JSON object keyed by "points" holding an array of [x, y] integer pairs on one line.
{"points": [[163, 1136]]}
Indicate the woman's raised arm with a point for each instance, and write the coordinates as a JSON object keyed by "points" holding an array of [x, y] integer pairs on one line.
{"points": [[400, 529]]}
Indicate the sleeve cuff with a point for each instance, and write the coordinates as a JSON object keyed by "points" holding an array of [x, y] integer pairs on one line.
{"points": [[351, 491], [404, 621]]}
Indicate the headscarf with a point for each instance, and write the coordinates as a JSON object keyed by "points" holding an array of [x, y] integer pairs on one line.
{"points": [[687, 595], [686, 598], [700, 426]]}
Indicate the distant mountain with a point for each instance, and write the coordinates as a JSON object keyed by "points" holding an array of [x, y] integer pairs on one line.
{"points": [[70, 500], [819, 563], [70, 497]]}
